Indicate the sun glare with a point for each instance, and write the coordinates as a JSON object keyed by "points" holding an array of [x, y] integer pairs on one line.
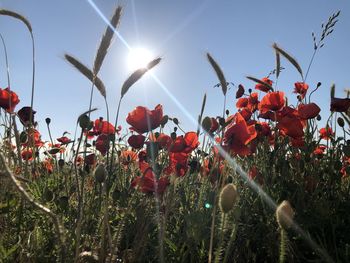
{"points": [[139, 58]]}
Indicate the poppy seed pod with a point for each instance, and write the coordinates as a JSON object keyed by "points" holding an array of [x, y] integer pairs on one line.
{"points": [[100, 173], [228, 198], [284, 215]]}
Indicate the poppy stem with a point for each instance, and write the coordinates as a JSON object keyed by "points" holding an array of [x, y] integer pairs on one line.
{"points": [[113, 141]]}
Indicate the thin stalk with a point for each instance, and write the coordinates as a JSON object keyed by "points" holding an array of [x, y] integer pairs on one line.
{"points": [[113, 142]]}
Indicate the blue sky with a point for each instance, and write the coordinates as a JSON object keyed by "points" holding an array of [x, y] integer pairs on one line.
{"points": [[238, 34]]}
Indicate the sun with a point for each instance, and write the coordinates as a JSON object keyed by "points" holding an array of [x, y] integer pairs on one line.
{"points": [[139, 58]]}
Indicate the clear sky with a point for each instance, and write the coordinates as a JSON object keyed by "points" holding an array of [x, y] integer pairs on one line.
{"points": [[238, 34]]}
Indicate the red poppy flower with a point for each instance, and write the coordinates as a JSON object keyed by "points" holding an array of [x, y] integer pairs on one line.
{"points": [[326, 133], [8, 99], [27, 154], [185, 144], [242, 103], [214, 125], [24, 115], [238, 134], [149, 184], [90, 159], [301, 89], [272, 101], [291, 125], [263, 87], [253, 102], [136, 141], [263, 129], [178, 164], [308, 111], [143, 120], [103, 127], [128, 157], [64, 140], [102, 144], [297, 142], [319, 151], [340, 105], [246, 114], [34, 138], [268, 115], [48, 165]]}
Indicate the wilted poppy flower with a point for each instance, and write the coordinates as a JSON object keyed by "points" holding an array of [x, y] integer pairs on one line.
{"points": [[64, 140], [340, 105], [301, 89], [25, 117], [8, 99], [308, 111], [136, 141], [272, 101], [143, 120], [102, 144], [238, 134], [240, 91], [326, 133], [27, 154], [263, 87], [103, 127]]}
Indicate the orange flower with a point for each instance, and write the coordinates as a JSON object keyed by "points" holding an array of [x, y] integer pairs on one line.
{"points": [[273, 101], [143, 120], [8, 99]]}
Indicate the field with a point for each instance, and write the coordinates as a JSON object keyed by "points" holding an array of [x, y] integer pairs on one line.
{"points": [[266, 181]]}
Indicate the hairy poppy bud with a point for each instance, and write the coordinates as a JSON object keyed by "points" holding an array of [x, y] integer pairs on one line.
{"points": [[340, 121], [100, 173], [228, 198], [206, 124], [47, 120], [284, 215], [84, 121]]}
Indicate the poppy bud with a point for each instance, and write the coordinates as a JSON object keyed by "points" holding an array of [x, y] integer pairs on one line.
{"points": [[340, 121], [23, 137], [284, 215], [222, 121], [173, 135], [47, 120], [227, 112], [228, 198], [206, 124], [176, 121], [164, 120], [100, 173], [318, 117], [60, 163], [84, 121]]}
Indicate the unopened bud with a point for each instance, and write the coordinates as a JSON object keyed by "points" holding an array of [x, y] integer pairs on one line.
{"points": [[228, 198], [284, 215]]}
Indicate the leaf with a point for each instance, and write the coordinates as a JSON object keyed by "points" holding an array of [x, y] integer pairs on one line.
{"points": [[87, 73], [219, 73], [260, 82], [289, 58], [136, 75], [106, 40], [17, 16]]}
